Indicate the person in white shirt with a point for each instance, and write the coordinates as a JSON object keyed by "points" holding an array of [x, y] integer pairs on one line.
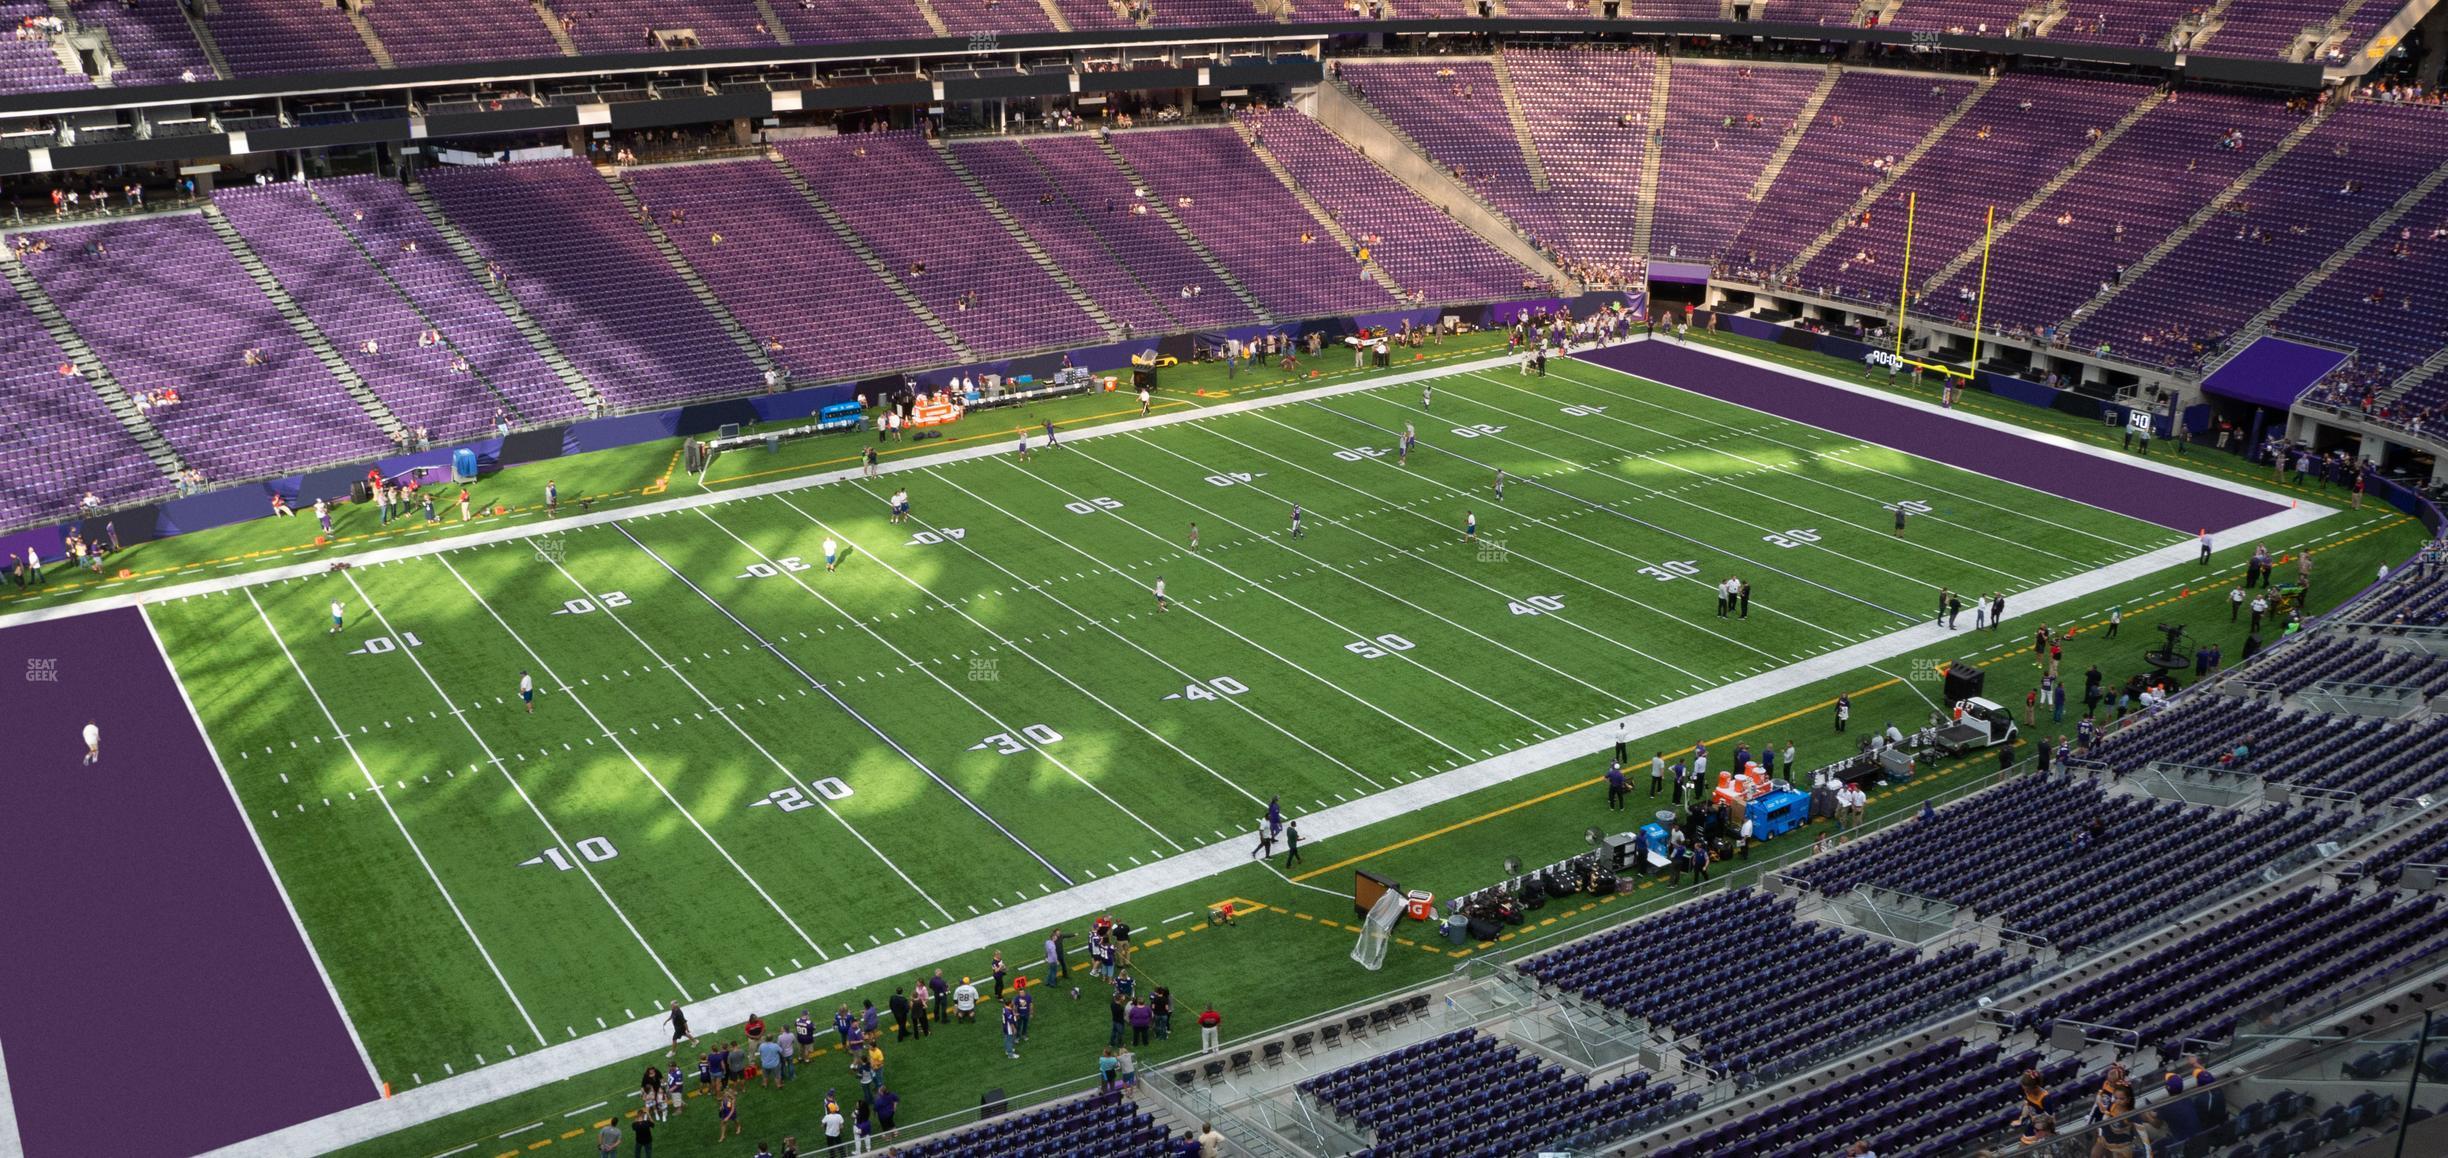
{"points": [[965, 999], [832, 552], [1211, 1143], [1161, 603], [1851, 803], [832, 1126], [93, 743], [527, 692], [339, 614]]}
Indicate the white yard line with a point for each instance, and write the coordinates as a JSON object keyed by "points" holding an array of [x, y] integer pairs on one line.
{"points": [[1087, 620], [374, 787], [567, 851], [806, 791], [1510, 552], [1786, 469], [572, 693], [1495, 592], [1202, 617], [378, 555], [1879, 534], [1028, 919], [1017, 732], [1653, 493], [1568, 532], [1285, 544], [372, 1075], [1006, 641], [2150, 464], [827, 691]]}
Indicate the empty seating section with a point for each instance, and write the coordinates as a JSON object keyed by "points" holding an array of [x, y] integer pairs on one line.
{"points": [[2131, 23], [1723, 123], [1754, 1010], [592, 278], [418, 34], [1192, 13], [1163, 261], [2351, 168], [262, 37], [2067, 862], [1091, 14], [2356, 35], [64, 443], [837, 21], [1065, 228], [30, 64], [166, 307], [1250, 222], [2412, 597], [2352, 663], [2127, 200], [1437, 1093], [784, 273], [1934, 1090], [715, 23], [149, 43], [2427, 844], [1673, 10], [1424, 250], [1818, 13], [1869, 116], [1453, 108], [2376, 760], [1098, 1126], [2021, 133], [2267, 27], [380, 216], [1972, 17], [1588, 114], [2381, 299], [933, 233], [963, 17], [348, 299], [2283, 951]]}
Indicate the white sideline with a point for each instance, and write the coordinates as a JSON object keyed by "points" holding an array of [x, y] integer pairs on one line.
{"points": [[10, 1145], [529, 529], [1025, 920]]}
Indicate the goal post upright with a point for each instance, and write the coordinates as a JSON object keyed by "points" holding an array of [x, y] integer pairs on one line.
{"points": [[1980, 301], [1904, 281]]}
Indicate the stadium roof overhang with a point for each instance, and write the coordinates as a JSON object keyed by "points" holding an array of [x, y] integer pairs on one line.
{"points": [[1302, 37]]}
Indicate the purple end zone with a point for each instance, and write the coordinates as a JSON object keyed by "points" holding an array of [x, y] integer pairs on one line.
{"points": [[160, 999], [2177, 503]]}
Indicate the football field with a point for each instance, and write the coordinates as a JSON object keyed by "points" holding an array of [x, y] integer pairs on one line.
{"points": [[742, 763]]}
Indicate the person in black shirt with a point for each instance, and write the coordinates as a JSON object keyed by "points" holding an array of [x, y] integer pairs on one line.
{"points": [[643, 1130]]}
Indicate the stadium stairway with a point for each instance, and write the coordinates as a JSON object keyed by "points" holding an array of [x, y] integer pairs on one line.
{"points": [[934, 19], [89, 366], [2431, 366], [1878, 190], [1803, 119], [1206, 256], [537, 339], [773, 20], [1028, 245], [560, 35], [867, 257], [1053, 13], [1521, 128], [688, 273], [365, 32], [1325, 220], [2261, 323], [301, 325], [2203, 216], [2047, 190], [1653, 156], [195, 14]]}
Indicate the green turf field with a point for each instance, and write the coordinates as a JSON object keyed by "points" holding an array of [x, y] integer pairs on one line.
{"points": [[741, 763]]}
